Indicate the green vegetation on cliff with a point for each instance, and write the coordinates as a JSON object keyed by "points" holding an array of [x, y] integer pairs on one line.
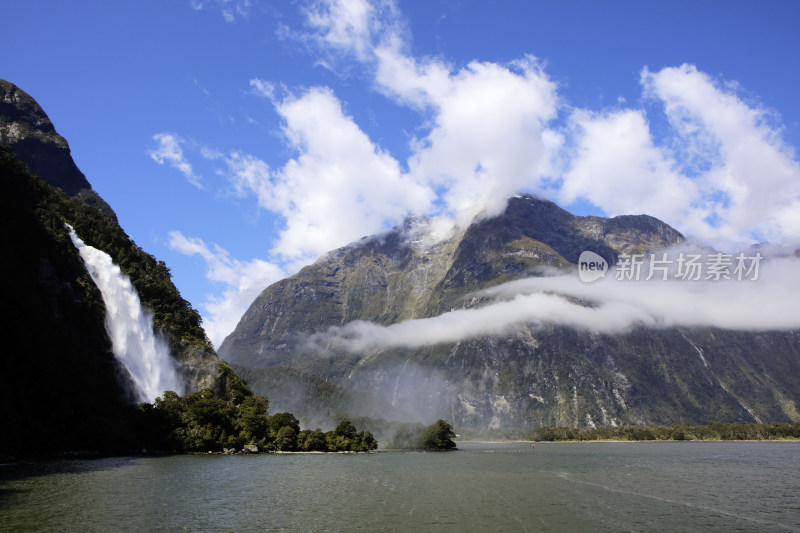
{"points": [[48, 208], [60, 385], [150, 277]]}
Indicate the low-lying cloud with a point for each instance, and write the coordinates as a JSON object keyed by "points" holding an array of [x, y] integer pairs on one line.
{"points": [[607, 306]]}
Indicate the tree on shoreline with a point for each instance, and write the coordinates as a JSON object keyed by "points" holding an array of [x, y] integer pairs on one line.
{"points": [[437, 436], [200, 422]]}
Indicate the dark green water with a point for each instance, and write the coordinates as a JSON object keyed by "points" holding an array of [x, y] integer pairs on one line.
{"points": [[695, 486]]}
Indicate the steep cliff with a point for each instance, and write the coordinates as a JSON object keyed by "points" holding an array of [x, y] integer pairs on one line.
{"points": [[61, 386], [26, 128]]}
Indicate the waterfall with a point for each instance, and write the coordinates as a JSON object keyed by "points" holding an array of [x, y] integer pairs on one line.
{"points": [[144, 355]]}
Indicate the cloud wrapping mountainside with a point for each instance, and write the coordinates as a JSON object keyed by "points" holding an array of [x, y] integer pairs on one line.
{"points": [[609, 306]]}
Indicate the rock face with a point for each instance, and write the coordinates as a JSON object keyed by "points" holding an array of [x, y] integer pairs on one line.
{"points": [[26, 128], [60, 385], [525, 378]]}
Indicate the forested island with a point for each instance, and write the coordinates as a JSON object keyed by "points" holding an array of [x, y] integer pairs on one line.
{"points": [[239, 422], [712, 431]]}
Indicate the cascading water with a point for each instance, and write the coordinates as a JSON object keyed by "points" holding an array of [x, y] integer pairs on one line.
{"points": [[144, 355]]}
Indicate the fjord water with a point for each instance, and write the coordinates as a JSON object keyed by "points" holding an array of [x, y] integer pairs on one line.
{"points": [[670, 486]]}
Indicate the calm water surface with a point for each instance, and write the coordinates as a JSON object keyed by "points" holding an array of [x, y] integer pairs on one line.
{"points": [[694, 486]]}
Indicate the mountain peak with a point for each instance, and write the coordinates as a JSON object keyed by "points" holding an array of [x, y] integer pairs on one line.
{"points": [[410, 271], [527, 375], [30, 133]]}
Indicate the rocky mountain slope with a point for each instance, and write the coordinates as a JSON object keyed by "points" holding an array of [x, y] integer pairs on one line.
{"points": [[26, 128], [60, 385], [526, 377]]}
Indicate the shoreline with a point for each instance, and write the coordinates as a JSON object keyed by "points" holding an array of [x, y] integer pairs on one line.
{"points": [[481, 441], [621, 441]]}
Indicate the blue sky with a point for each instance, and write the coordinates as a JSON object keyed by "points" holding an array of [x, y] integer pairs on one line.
{"points": [[239, 139]]}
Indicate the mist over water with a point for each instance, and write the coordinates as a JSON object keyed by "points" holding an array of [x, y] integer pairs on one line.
{"points": [[144, 355]]}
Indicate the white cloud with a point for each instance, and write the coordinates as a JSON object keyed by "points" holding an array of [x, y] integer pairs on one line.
{"points": [[343, 24], [263, 88], [487, 135], [489, 138], [752, 186], [338, 188], [614, 306], [169, 151], [229, 9], [242, 282], [617, 167], [723, 173]]}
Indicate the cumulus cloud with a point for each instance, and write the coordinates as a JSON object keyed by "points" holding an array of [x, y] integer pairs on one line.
{"points": [[169, 151], [617, 166], [340, 186], [487, 131], [752, 185], [723, 173], [609, 306], [243, 281], [488, 134], [489, 138]]}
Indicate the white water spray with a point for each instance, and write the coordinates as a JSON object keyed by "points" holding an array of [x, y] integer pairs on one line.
{"points": [[143, 354]]}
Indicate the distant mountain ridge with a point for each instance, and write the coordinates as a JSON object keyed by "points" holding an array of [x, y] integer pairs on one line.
{"points": [[524, 379]]}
